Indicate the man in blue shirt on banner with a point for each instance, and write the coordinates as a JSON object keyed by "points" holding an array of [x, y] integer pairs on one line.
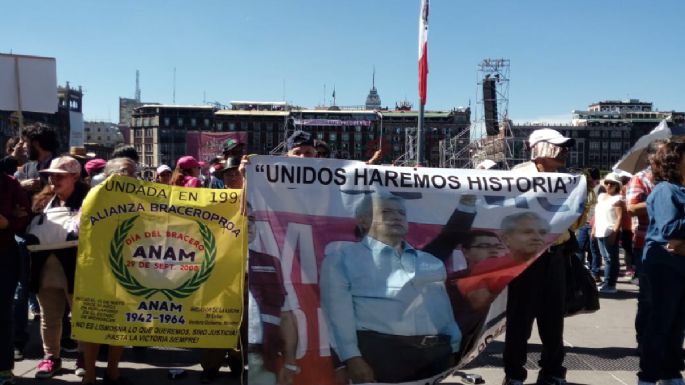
{"points": [[387, 308]]}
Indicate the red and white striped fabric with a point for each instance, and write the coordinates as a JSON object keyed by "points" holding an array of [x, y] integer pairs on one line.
{"points": [[423, 51]]}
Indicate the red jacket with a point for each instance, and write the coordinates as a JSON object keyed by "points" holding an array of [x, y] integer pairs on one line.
{"points": [[11, 197]]}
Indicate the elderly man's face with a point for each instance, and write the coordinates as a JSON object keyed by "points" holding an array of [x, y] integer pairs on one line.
{"points": [[389, 218], [526, 239], [127, 169]]}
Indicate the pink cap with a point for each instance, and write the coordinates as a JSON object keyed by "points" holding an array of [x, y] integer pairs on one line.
{"points": [[186, 162], [63, 165], [94, 165]]}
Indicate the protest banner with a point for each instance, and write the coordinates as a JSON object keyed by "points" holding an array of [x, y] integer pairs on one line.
{"points": [[159, 265], [204, 145], [405, 252]]}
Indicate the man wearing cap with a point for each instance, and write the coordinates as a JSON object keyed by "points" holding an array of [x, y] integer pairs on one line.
{"points": [[228, 174], [187, 172], [232, 147], [539, 291], [301, 145], [164, 174], [94, 169]]}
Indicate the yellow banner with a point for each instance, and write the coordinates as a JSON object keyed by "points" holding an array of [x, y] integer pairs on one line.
{"points": [[160, 265]]}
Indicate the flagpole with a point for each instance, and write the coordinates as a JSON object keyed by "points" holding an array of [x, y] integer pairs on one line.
{"points": [[419, 137], [423, 78]]}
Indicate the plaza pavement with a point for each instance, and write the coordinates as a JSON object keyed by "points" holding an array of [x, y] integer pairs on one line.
{"points": [[600, 349]]}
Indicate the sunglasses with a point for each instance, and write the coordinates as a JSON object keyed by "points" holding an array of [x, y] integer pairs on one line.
{"points": [[58, 176]]}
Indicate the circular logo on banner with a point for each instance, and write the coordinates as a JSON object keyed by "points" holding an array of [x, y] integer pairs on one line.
{"points": [[167, 263]]}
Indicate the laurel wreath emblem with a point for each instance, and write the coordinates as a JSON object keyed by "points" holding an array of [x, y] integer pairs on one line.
{"points": [[133, 286]]}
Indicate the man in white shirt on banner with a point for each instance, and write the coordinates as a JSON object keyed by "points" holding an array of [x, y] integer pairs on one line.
{"points": [[389, 314]]}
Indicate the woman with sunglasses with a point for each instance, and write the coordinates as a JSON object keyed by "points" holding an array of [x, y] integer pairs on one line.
{"points": [[52, 271], [609, 213]]}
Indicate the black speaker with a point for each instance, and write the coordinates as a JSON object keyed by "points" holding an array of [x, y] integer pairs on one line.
{"points": [[490, 106]]}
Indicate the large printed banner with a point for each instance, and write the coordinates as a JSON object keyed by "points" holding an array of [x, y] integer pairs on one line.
{"points": [[205, 145], [160, 265], [403, 267]]}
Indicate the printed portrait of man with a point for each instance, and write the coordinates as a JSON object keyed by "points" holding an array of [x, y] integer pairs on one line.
{"points": [[484, 252], [481, 246], [388, 312], [492, 262], [524, 235]]}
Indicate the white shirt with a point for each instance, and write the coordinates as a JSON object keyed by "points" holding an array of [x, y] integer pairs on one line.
{"points": [[605, 214]]}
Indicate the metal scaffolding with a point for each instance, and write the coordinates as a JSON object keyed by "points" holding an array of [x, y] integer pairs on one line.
{"points": [[408, 159], [455, 152], [498, 147], [473, 145]]}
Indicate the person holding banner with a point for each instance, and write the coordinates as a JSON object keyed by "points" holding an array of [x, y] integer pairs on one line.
{"points": [[539, 291], [322, 149], [53, 270], [212, 359], [125, 167], [301, 145], [386, 304], [229, 174]]}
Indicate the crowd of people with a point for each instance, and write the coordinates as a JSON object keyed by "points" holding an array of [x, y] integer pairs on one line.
{"points": [[643, 213]]}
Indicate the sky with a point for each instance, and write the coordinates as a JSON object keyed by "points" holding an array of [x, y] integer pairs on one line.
{"points": [[564, 55]]}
